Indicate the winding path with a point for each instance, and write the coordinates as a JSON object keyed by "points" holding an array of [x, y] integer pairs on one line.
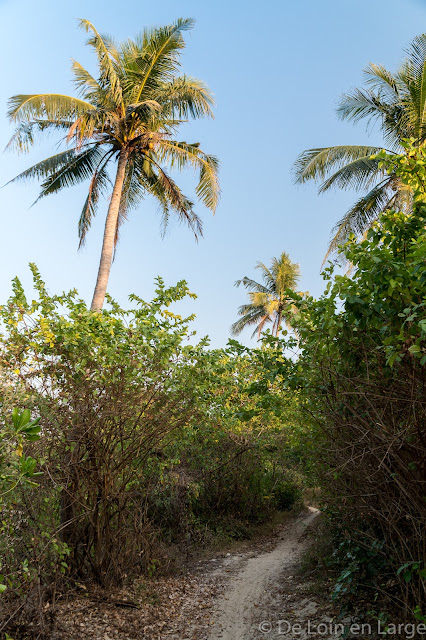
{"points": [[247, 599]]}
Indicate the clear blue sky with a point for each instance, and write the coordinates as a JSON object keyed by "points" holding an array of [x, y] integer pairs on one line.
{"points": [[277, 69]]}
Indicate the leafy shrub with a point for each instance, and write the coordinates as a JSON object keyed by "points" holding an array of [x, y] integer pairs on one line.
{"points": [[365, 392], [286, 495], [361, 379], [145, 435], [231, 467], [112, 387], [16, 468], [147, 440]]}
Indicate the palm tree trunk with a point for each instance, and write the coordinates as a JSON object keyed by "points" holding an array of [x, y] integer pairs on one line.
{"points": [[109, 234], [280, 314]]}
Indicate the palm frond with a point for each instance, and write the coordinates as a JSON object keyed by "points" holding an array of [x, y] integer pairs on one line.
{"points": [[145, 110], [106, 52], [64, 169], [358, 174], [98, 185], [267, 276], [382, 81], [85, 82], [362, 104], [186, 96], [361, 215], [416, 56], [251, 285], [54, 107], [182, 154], [266, 318], [179, 203], [81, 167], [315, 164], [157, 59], [145, 176], [264, 300], [100, 124], [44, 168], [413, 73], [253, 316], [26, 134]]}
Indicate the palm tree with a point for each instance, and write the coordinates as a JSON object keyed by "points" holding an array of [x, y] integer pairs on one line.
{"points": [[269, 302], [398, 103], [129, 116]]}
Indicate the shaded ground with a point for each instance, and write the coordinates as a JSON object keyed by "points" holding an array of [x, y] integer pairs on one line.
{"points": [[232, 596]]}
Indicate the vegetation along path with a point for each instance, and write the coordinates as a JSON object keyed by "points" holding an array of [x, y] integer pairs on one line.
{"points": [[226, 597]]}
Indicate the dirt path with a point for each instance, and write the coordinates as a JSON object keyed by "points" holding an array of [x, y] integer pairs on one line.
{"points": [[245, 610], [235, 595]]}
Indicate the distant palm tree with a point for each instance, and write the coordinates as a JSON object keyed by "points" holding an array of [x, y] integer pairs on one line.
{"points": [[269, 302], [398, 102], [129, 115]]}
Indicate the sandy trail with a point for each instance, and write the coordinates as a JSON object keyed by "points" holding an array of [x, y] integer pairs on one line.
{"points": [[247, 598]]}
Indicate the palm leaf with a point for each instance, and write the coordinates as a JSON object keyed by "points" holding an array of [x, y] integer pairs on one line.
{"points": [[182, 154], [157, 60], [105, 49], [356, 175], [253, 316], [383, 81], [26, 133], [186, 96], [85, 82], [64, 169], [268, 277], [54, 107], [46, 167], [172, 194], [98, 185], [362, 104], [145, 110], [251, 285], [361, 215], [315, 164]]}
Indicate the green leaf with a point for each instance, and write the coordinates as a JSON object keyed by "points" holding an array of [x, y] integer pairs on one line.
{"points": [[414, 349]]}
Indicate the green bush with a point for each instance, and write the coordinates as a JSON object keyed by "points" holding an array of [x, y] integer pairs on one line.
{"points": [[362, 374], [16, 469], [360, 379], [286, 495]]}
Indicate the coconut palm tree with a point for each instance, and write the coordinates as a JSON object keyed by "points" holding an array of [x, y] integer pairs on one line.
{"points": [[398, 103], [126, 119], [269, 302]]}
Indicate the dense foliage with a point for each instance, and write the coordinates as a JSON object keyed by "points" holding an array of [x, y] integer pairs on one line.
{"points": [[361, 376], [145, 444], [16, 468], [147, 440]]}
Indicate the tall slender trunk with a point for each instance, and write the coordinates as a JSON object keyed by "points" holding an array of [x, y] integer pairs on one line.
{"points": [[109, 234], [280, 315]]}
